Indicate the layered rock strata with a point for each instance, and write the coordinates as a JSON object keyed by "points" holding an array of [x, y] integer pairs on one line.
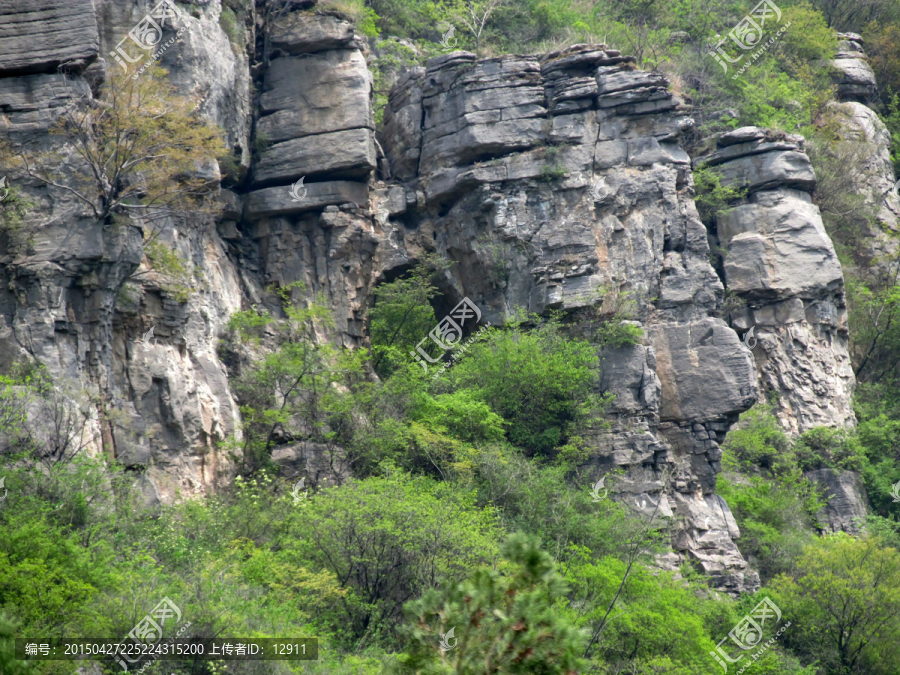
{"points": [[558, 181], [70, 300], [781, 266]]}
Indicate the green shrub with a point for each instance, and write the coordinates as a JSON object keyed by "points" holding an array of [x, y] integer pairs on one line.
{"points": [[710, 196], [775, 516], [827, 447], [388, 540], [401, 318], [495, 622], [540, 381], [758, 442], [844, 600]]}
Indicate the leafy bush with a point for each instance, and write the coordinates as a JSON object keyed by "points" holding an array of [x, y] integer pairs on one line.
{"points": [[758, 442], [546, 500], [827, 447], [540, 381], [138, 150], [775, 517], [710, 196], [401, 318], [387, 540], [844, 600]]}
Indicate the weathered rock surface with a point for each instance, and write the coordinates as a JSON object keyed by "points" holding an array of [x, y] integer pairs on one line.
{"points": [[279, 202], [865, 141], [305, 33], [70, 302], [317, 110], [349, 153], [552, 181], [326, 91], [853, 76], [568, 167], [845, 510], [39, 36], [781, 263]]}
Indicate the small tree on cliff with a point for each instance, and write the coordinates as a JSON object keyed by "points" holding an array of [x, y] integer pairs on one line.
{"points": [[137, 149], [135, 152]]}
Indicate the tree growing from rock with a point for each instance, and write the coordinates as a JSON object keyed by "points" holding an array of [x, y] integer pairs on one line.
{"points": [[137, 149], [138, 152]]}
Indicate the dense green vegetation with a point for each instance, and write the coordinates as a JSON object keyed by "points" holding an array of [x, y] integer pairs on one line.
{"points": [[465, 514]]}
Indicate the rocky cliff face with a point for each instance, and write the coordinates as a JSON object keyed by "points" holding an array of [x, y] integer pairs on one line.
{"points": [[64, 301], [553, 181], [781, 266]]}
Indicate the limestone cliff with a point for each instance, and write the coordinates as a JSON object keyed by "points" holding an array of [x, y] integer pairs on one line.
{"points": [[554, 181]]}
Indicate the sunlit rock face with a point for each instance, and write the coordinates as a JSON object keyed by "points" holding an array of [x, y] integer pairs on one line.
{"points": [[781, 267]]}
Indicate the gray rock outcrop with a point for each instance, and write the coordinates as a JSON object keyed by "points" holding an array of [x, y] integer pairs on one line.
{"points": [[69, 299], [845, 495], [780, 263], [571, 165], [315, 110], [853, 76]]}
